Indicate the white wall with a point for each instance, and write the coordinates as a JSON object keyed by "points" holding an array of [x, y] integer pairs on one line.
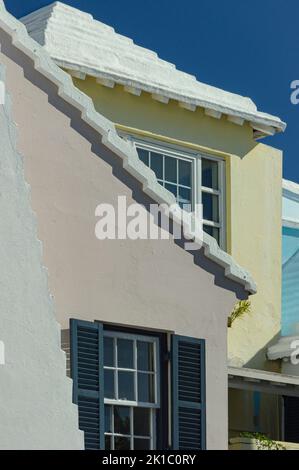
{"points": [[36, 410]]}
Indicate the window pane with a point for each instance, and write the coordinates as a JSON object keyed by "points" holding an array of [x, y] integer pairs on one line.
{"points": [[108, 442], [144, 156], [185, 173], [171, 169], [145, 356], [172, 188], [142, 421], [108, 352], [184, 199], [141, 444], [121, 443], [213, 231], [108, 420], [125, 355], [157, 164], [109, 384], [122, 418], [210, 204], [126, 390], [209, 173], [146, 388]]}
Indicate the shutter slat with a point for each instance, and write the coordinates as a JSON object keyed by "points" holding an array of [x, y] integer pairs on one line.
{"points": [[188, 385], [87, 372]]}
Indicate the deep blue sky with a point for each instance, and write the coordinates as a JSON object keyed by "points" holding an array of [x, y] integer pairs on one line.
{"points": [[247, 47]]}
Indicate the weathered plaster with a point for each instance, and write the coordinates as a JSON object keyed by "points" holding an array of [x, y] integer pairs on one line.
{"points": [[36, 410]]}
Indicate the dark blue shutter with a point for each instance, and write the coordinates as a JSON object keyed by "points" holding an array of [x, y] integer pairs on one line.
{"points": [[188, 393], [87, 371]]}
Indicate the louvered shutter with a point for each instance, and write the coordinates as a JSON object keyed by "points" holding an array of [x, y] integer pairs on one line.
{"points": [[188, 393], [88, 380]]}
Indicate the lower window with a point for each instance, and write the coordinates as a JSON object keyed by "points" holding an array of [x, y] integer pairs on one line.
{"points": [[131, 390], [123, 383], [128, 428]]}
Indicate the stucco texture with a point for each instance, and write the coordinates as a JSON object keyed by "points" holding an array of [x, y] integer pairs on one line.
{"points": [[36, 408], [253, 199], [143, 283]]}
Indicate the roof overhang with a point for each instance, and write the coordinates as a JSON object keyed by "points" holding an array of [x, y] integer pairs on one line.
{"points": [[262, 125], [87, 47], [290, 189], [263, 381], [285, 347]]}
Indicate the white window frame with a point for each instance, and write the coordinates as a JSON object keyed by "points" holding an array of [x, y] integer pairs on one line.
{"points": [[155, 373], [151, 438], [134, 404], [197, 188]]}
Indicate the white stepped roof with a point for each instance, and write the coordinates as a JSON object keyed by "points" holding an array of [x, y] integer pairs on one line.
{"points": [[122, 148], [76, 41]]}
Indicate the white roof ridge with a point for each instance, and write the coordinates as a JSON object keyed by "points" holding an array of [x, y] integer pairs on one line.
{"points": [[75, 39], [125, 150]]}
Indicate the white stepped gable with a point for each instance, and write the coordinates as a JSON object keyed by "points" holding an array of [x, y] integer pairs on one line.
{"points": [[75, 40], [107, 132]]}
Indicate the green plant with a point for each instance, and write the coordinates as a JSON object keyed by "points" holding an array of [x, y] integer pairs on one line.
{"points": [[240, 309], [262, 441]]}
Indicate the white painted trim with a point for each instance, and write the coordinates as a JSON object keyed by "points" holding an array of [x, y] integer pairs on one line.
{"points": [[106, 82], [212, 113], [282, 349], [197, 189], [263, 381], [236, 120], [124, 149], [290, 190], [77, 74], [290, 223], [132, 90], [155, 373], [188, 106], [290, 186]]}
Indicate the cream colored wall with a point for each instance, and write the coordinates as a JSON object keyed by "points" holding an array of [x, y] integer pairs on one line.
{"points": [[253, 196]]}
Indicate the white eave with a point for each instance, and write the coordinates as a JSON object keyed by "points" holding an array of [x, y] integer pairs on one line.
{"points": [[43, 63], [263, 381], [283, 348], [290, 189], [84, 46]]}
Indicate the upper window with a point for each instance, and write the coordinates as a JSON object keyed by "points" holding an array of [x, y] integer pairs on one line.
{"points": [[131, 391], [193, 179]]}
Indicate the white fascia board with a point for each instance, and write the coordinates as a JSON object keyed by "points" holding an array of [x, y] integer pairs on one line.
{"points": [[124, 149], [261, 375], [257, 380], [258, 121], [103, 53], [290, 190], [290, 223]]}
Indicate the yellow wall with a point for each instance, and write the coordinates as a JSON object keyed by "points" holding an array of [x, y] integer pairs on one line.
{"points": [[253, 177]]}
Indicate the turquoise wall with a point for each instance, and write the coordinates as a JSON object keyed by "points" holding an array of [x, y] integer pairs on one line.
{"points": [[290, 270]]}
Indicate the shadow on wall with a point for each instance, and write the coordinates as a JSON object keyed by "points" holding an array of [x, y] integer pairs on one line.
{"points": [[260, 360]]}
